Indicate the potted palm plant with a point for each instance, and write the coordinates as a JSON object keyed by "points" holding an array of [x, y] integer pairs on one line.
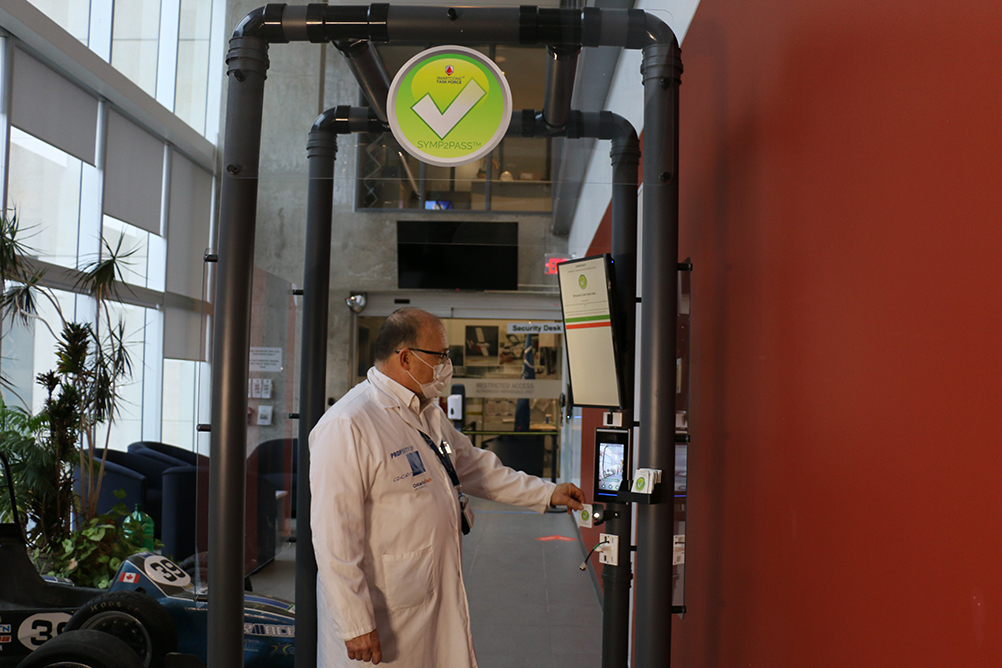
{"points": [[57, 464]]}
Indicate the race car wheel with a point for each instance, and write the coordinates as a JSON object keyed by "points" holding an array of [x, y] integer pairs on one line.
{"points": [[82, 649], [136, 619]]}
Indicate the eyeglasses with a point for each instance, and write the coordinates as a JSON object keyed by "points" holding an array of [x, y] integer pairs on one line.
{"points": [[440, 355]]}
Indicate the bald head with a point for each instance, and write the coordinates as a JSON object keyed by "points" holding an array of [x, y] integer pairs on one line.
{"points": [[403, 329]]}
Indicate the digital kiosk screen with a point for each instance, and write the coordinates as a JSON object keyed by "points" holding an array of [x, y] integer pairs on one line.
{"points": [[586, 301], [612, 460]]}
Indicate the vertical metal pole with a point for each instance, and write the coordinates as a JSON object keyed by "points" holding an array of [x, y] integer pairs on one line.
{"points": [[661, 70], [6, 88], [321, 152], [247, 65], [561, 66], [616, 580]]}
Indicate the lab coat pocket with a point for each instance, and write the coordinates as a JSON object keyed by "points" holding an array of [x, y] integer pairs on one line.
{"points": [[408, 578]]}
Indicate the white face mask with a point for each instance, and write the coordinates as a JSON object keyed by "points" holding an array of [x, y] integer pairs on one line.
{"points": [[442, 375]]}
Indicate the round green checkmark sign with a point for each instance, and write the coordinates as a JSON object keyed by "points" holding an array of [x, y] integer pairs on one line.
{"points": [[449, 106]]}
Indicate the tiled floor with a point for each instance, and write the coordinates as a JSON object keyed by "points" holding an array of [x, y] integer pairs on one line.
{"points": [[530, 605]]}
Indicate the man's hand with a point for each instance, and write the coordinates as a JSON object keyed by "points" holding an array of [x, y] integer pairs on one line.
{"points": [[567, 494], [365, 648]]}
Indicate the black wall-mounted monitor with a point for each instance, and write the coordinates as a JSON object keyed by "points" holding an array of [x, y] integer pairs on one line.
{"points": [[613, 459], [456, 255]]}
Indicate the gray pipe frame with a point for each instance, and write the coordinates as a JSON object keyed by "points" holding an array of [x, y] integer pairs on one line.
{"points": [[561, 66], [625, 155], [247, 66], [662, 71], [369, 72], [321, 152]]}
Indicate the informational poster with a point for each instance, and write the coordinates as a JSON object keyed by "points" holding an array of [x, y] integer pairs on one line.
{"points": [[591, 350], [265, 359]]}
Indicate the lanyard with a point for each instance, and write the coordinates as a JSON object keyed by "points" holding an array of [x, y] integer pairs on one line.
{"points": [[443, 456]]}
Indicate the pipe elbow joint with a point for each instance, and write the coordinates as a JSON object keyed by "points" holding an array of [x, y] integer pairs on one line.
{"points": [[350, 48], [264, 23], [325, 121], [622, 129], [657, 31]]}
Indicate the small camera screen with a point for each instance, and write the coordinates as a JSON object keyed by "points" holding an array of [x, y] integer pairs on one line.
{"points": [[610, 466]]}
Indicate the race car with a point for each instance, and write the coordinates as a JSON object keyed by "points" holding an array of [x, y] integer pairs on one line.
{"points": [[152, 607]]}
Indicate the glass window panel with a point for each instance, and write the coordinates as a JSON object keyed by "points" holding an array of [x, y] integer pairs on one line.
{"points": [[143, 253], [156, 262], [72, 15], [45, 190], [128, 425], [192, 86], [179, 403], [135, 41], [153, 364], [28, 350]]}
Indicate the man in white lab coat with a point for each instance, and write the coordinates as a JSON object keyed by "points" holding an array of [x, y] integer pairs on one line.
{"points": [[386, 514]]}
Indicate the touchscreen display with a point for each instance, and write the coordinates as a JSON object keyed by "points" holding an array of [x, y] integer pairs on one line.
{"points": [[610, 466]]}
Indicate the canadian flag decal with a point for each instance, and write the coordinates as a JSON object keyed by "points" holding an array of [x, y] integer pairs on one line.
{"points": [[449, 70], [131, 578]]}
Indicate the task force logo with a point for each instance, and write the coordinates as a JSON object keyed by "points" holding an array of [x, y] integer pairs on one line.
{"points": [[449, 106]]}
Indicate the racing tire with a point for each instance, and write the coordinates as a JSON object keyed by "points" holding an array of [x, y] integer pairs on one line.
{"points": [[134, 618], [86, 648]]}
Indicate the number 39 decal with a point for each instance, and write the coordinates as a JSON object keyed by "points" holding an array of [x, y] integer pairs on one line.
{"points": [[165, 572], [36, 629]]}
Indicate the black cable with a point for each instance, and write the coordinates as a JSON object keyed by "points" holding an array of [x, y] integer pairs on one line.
{"points": [[584, 564]]}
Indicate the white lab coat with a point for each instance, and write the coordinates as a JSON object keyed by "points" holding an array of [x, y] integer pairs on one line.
{"points": [[386, 528]]}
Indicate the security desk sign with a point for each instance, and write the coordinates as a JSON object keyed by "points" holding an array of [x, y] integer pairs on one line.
{"points": [[449, 106]]}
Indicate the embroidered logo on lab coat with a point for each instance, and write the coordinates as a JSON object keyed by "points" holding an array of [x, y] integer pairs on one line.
{"points": [[417, 466]]}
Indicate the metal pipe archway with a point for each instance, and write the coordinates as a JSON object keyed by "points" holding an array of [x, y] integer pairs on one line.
{"points": [[247, 65]]}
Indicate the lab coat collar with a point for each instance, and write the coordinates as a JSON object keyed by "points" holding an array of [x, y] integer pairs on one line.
{"points": [[392, 394]]}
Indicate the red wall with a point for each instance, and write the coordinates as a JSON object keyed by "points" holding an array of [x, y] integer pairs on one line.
{"points": [[841, 198]]}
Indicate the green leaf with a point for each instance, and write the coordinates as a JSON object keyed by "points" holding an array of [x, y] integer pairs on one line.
{"points": [[95, 533]]}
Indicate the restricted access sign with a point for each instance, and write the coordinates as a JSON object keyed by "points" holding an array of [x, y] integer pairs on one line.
{"points": [[449, 106]]}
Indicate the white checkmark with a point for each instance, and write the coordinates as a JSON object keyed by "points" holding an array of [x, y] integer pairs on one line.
{"points": [[443, 123]]}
